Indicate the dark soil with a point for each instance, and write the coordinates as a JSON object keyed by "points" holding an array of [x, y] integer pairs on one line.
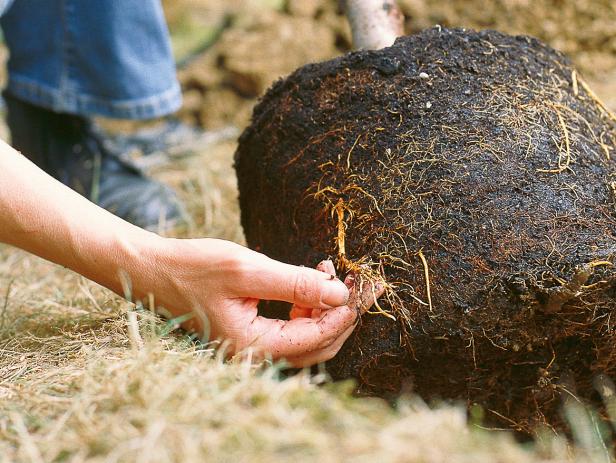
{"points": [[476, 172]]}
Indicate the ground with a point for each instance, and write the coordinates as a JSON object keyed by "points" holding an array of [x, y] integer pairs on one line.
{"points": [[79, 383]]}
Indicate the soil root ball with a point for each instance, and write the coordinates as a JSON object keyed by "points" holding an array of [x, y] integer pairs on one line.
{"points": [[476, 172]]}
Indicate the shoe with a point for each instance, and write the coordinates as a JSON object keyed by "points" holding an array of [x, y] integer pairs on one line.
{"points": [[69, 148], [166, 142]]}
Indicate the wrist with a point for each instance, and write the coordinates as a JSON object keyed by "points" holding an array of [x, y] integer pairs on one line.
{"points": [[119, 256]]}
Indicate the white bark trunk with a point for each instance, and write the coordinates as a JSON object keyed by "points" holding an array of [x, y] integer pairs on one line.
{"points": [[375, 23]]}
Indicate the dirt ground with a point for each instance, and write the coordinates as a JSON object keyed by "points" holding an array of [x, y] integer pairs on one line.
{"points": [[260, 41], [76, 386]]}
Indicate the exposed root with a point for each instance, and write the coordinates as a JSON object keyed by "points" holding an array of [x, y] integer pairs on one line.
{"points": [[340, 237], [427, 276], [607, 111], [561, 166]]}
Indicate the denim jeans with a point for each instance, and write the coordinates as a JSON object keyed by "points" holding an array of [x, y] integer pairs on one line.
{"points": [[105, 57]]}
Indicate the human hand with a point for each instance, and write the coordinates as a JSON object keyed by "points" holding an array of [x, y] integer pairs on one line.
{"points": [[222, 283]]}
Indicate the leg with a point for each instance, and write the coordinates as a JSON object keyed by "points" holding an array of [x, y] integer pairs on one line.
{"points": [[70, 60], [110, 58]]}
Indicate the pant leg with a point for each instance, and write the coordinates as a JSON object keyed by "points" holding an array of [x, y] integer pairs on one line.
{"points": [[4, 5], [107, 57]]}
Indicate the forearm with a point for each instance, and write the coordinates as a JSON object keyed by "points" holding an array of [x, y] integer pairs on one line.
{"points": [[42, 216]]}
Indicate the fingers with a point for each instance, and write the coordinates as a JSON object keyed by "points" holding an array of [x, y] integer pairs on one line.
{"points": [[323, 316], [308, 341], [322, 355], [297, 311], [362, 298], [295, 338], [364, 292], [327, 266], [273, 280]]}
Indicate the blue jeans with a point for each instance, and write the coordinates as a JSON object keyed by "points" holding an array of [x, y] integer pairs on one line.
{"points": [[105, 57]]}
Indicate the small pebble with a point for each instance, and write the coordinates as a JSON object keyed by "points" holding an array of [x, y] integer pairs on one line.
{"points": [[423, 75], [428, 105]]}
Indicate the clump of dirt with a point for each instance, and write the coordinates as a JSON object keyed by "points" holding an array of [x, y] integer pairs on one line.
{"points": [[475, 171]]}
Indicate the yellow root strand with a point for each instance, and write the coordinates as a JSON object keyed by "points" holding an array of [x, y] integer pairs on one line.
{"points": [[341, 236], [609, 113], [348, 159], [606, 150], [561, 166], [598, 263], [346, 264], [427, 276], [377, 309]]}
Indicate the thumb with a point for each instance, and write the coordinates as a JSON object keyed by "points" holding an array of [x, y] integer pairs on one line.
{"points": [[273, 280]]}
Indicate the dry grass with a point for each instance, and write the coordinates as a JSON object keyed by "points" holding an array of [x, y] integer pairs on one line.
{"points": [[79, 391]]}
